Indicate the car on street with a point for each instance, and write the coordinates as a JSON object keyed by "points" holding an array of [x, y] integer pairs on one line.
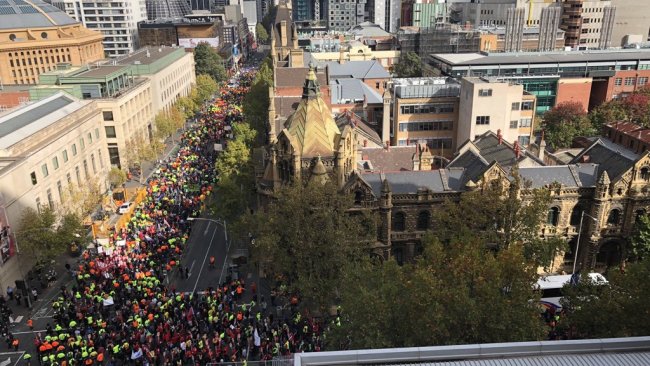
{"points": [[124, 208]]}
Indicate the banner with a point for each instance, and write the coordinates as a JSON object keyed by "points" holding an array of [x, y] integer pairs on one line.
{"points": [[193, 42]]}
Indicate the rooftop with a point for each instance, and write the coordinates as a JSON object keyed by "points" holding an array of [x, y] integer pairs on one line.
{"points": [[368, 29], [632, 129], [28, 120], [145, 55], [426, 87], [464, 59], [98, 72], [357, 70], [32, 14], [395, 159], [346, 91]]}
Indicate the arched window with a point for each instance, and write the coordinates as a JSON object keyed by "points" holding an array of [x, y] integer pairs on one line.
{"points": [[423, 220], [614, 217], [399, 222], [553, 216], [575, 215], [358, 196], [645, 174]]}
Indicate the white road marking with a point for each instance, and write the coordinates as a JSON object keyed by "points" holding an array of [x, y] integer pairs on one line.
{"points": [[205, 232], [207, 253]]}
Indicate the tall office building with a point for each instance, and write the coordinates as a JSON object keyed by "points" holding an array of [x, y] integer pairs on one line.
{"points": [[117, 20], [588, 24], [514, 30], [302, 10], [548, 25], [345, 14], [632, 18]]}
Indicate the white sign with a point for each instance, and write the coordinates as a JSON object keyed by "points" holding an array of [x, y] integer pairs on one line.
{"points": [[193, 42], [218, 147]]}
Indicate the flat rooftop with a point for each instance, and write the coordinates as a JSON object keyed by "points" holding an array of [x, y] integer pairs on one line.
{"points": [[99, 72], [466, 59], [23, 122], [145, 58]]}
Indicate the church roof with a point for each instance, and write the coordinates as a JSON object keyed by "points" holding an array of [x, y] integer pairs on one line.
{"points": [[311, 126]]}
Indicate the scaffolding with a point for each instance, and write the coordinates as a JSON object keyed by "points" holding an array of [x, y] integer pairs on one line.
{"points": [[443, 38]]}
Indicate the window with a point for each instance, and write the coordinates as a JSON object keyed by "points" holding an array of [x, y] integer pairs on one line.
{"points": [[576, 214], [32, 175], [86, 169], [553, 216], [65, 156], [59, 188], [68, 178], [645, 174], [614, 217], [96, 133], [525, 122], [527, 106], [108, 115], [514, 124], [44, 170], [74, 149], [524, 140], [38, 204], [50, 199], [110, 131], [92, 162], [90, 138], [642, 81], [399, 222], [78, 174], [516, 106], [82, 143], [55, 162], [629, 81], [423, 220], [618, 81], [426, 126], [485, 92], [483, 120]]}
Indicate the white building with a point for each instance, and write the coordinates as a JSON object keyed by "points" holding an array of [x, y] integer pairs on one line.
{"points": [[117, 20]]}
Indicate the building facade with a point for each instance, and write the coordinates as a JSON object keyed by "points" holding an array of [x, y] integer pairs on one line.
{"points": [[344, 14], [48, 149], [588, 24], [35, 37], [117, 20]]}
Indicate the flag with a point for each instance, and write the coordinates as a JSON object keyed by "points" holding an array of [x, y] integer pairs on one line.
{"points": [[256, 339]]}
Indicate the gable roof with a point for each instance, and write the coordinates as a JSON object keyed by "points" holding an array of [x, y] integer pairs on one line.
{"points": [[370, 69], [441, 180], [349, 118], [577, 175], [612, 158], [398, 158], [345, 91]]}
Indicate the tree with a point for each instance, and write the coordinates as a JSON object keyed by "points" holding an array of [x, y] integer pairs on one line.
{"points": [[81, 200], [205, 88], [164, 128], [453, 294], [187, 105], [269, 18], [44, 235], [256, 103], [637, 108], [565, 122], [262, 35], [116, 177], [618, 309], [306, 236], [176, 117], [409, 66], [640, 239], [607, 113], [137, 153], [209, 62]]}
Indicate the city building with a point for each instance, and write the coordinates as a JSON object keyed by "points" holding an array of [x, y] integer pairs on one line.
{"points": [[422, 110], [492, 105], [117, 20], [186, 32], [629, 135], [590, 77], [446, 38], [530, 39], [423, 14], [588, 24], [35, 37], [357, 51], [47, 148], [632, 21], [167, 9], [344, 14], [170, 70], [125, 103], [303, 9]]}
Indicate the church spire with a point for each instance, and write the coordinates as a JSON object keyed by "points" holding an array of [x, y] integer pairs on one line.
{"points": [[311, 89]]}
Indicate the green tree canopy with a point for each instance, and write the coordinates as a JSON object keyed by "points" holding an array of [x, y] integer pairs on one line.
{"points": [[269, 18], [205, 88], [453, 294], [256, 102], [262, 34], [116, 177], [564, 122], [306, 236], [640, 239], [209, 62], [44, 236], [409, 66], [619, 309], [164, 127], [187, 105]]}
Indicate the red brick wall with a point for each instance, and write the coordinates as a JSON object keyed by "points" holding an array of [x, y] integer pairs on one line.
{"points": [[606, 91], [574, 90], [12, 98]]}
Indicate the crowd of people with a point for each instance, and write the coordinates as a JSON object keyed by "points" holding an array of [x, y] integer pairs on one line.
{"points": [[120, 310]]}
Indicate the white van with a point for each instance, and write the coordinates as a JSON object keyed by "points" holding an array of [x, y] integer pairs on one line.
{"points": [[124, 208], [551, 288]]}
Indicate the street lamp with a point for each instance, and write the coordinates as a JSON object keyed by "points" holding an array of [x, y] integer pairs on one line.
{"points": [[575, 259]]}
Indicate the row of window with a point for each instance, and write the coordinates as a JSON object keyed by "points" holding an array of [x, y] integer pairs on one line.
{"points": [[423, 221], [426, 126], [426, 108], [524, 122], [482, 120], [629, 81], [80, 182], [553, 217], [64, 154], [432, 143]]}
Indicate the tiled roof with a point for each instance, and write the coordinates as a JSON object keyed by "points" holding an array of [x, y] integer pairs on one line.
{"points": [[371, 69], [633, 130], [346, 91], [578, 175], [612, 158]]}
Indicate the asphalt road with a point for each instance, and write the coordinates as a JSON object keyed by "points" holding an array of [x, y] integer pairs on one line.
{"points": [[207, 239]]}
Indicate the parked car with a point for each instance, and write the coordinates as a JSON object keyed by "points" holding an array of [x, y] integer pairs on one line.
{"points": [[124, 208]]}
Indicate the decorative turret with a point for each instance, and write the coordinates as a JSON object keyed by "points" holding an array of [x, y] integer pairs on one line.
{"points": [[311, 89], [318, 172], [272, 135], [385, 127], [602, 188]]}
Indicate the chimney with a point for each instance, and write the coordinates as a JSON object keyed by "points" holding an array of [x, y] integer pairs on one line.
{"points": [[585, 158], [499, 136], [365, 143], [387, 145], [517, 149]]}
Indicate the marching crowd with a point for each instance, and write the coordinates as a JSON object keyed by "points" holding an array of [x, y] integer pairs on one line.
{"points": [[120, 311]]}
